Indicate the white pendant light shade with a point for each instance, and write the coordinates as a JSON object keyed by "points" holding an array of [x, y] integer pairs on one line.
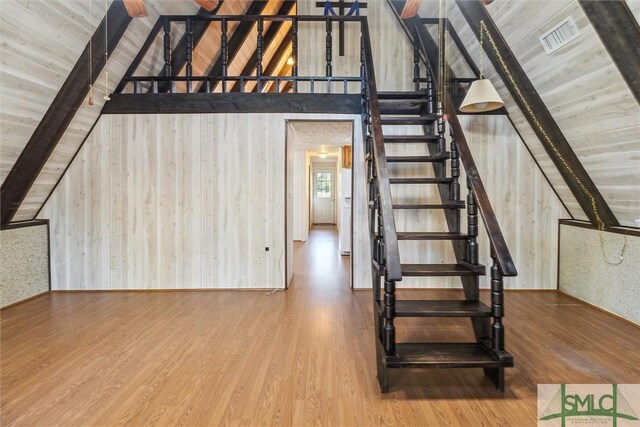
{"points": [[482, 97]]}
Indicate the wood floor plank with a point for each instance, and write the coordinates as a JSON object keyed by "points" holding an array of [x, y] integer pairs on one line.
{"points": [[301, 357]]}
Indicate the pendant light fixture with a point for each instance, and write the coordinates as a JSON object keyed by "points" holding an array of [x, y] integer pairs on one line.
{"points": [[482, 96]]}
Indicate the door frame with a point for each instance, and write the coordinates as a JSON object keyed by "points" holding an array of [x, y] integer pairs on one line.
{"points": [[312, 184], [288, 147]]}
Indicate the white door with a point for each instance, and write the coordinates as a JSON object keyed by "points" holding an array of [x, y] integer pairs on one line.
{"points": [[324, 209]]}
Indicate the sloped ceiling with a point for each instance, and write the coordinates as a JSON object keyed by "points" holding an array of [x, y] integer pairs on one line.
{"points": [[35, 64], [582, 88]]}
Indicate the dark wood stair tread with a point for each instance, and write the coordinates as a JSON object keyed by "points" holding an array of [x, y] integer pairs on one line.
{"points": [[430, 235], [444, 308], [418, 159], [418, 120], [447, 355], [401, 95], [450, 205], [410, 139], [421, 270], [420, 180]]}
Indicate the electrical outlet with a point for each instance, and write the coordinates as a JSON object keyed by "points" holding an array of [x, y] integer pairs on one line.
{"points": [[256, 262]]}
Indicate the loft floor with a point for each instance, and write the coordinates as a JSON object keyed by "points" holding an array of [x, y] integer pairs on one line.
{"points": [[301, 357]]}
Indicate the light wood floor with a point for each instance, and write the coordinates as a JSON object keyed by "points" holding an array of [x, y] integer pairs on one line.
{"points": [[301, 357]]}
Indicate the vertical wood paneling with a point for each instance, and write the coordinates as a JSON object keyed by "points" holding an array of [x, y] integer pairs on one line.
{"points": [[86, 116]]}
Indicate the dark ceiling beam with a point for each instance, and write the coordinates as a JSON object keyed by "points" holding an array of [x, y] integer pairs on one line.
{"points": [[179, 53], [236, 41], [195, 103], [279, 54], [620, 33], [543, 124], [61, 111], [269, 36]]}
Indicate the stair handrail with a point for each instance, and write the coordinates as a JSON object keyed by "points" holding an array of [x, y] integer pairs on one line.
{"points": [[499, 246], [392, 254]]}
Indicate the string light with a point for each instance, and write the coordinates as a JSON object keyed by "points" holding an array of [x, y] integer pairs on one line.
{"points": [[90, 100], [554, 148]]}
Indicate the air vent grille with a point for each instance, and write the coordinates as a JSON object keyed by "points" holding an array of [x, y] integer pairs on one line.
{"points": [[559, 36]]}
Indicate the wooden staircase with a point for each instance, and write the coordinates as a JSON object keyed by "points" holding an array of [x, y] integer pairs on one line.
{"points": [[440, 168]]}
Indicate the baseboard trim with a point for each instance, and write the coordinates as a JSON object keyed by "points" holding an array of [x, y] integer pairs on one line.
{"points": [[70, 291], [630, 322], [24, 300]]}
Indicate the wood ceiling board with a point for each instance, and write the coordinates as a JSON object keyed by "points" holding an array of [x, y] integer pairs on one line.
{"points": [[271, 50], [248, 50], [577, 177], [280, 66], [60, 113], [208, 5], [620, 34], [86, 116], [135, 8], [208, 49], [585, 93]]}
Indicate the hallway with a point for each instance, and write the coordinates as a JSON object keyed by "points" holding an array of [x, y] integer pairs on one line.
{"points": [[300, 357]]}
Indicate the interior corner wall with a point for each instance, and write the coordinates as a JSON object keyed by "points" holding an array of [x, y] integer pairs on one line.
{"points": [[586, 274], [176, 202], [24, 268]]}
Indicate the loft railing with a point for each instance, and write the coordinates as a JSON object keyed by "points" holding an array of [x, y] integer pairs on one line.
{"points": [[256, 73], [384, 244]]}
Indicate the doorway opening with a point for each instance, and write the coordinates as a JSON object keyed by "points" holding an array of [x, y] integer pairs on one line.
{"points": [[318, 194]]}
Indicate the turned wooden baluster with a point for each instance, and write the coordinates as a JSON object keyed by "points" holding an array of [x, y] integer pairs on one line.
{"points": [[472, 226], [294, 54], [497, 305], [389, 312], [224, 53], [441, 128], [455, 168], [189, 54], [328, 46], [260, 42], [416, 62], [430, 93], [167, 51]]}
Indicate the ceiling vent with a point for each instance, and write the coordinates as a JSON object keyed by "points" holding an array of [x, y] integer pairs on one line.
{"points": [[560, 35]]}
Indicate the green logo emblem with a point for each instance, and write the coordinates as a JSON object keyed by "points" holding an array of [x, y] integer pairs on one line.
{"points": [[613, 406]]}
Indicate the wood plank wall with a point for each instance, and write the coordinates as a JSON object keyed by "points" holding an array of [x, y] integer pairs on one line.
{"points": [[583, 90], [46, 48], [177, 201]]}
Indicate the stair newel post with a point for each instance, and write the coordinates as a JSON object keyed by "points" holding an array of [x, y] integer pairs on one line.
{"points": [[224, 53], [167, 51], [455, 168], [441, 130], [416, 61], [189, 53], [497, 305], [259, 52], [294, 53], [430, 95], [472, 226]]}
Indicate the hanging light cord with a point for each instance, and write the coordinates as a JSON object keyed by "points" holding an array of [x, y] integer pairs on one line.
{"points": [[106, 50], [601, 227]]}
